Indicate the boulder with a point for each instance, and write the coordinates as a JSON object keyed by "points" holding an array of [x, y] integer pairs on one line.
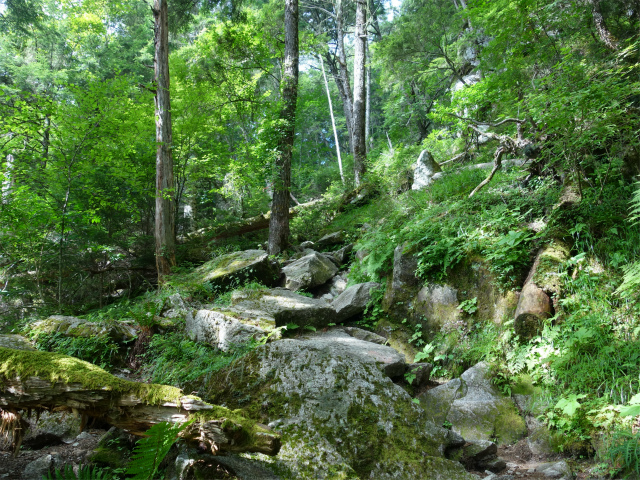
{"points": [[365, 335], [38, 469], [284, 306], [335, 238], [475, 408], [555, 470], [354, 300], [119, 332], [225, 328], [17, 342], [237, 268], [190, 464], [176, 308], [343, 254], [481, 455], [422, 372], [51, 428], [338, 284], [308, 272], [423, 170], [307, 244], [339, 415]]}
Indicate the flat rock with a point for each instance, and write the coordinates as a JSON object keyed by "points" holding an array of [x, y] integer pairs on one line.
{"points": [[285, 307], [365, 335], [78, 327], [475, 408], [17, 342], [354, 300], [309, 271], [391, 362], [237, 268]]}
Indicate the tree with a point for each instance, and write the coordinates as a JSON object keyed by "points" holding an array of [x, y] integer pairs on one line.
{"points": [[165, 205], [360, 92], [279, 223]]}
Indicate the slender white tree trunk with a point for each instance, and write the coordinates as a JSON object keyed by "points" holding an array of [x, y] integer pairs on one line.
{"points": [[359, 92], [333, 120], [165, 188]]}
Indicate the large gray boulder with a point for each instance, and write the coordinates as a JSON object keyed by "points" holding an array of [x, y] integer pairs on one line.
{"points": [[284, 306], [335, 238], [78, 327], [239, 267], [339, 415], [475, 408], [226, 328], [423, 170], [308, 272], [354, 300]]}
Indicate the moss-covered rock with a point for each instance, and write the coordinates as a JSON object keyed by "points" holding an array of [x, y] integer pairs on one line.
{"points": [[77, 327], [475, 408], [340, 417], [284, 306], [239, 267]]}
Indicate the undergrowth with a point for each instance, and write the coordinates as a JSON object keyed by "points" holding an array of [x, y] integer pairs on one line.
{"points": [[173, 359]]}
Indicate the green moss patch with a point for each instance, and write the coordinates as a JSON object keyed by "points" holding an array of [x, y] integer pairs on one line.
{"points": [[55, 367]]}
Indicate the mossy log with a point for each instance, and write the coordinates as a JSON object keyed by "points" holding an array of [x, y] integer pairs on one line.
{"points": [[33, 380], [248, 225], [540, 290]]}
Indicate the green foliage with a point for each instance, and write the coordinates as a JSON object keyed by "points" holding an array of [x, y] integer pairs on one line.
{"points": [[151, 450], [101, 351], [175, 360], [469, 306], [84, 473], [624, 454]]}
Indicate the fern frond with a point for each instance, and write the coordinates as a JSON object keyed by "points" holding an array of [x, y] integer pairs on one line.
{"points": [[631, 279], [634, 210], [151, 450]]}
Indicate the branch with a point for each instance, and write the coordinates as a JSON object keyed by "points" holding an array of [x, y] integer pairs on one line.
{"points": [[475, 122], [497, 164]]}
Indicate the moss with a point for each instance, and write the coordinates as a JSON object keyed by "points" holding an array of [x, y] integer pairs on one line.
{"points": [[509, 426], [55, 367]]}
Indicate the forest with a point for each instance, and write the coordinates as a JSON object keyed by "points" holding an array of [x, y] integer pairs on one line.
{"points": [[466, 170]]}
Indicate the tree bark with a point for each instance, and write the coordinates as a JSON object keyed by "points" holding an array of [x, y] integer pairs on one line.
{"points": [[342, 77], [165, 211], [359, 92], [333, 120], [279, 224], [601, 27], [46, 381]]}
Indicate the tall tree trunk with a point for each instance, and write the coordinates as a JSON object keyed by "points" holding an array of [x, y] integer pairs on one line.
{"points": [[342, 78], [165, 215], [367, 121], [333, 120], [279, 222], [603, 32], [359, 92]]}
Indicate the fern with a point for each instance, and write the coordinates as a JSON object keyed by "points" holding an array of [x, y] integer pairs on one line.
{"points": [[87, 473], [632, 272], [151, 450]]}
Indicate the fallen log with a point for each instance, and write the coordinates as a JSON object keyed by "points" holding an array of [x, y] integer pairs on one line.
{"points": [[34, 380], [233, 229]]}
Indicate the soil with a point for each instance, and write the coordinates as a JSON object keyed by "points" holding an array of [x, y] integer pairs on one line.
{"points": [[73, 453]]}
